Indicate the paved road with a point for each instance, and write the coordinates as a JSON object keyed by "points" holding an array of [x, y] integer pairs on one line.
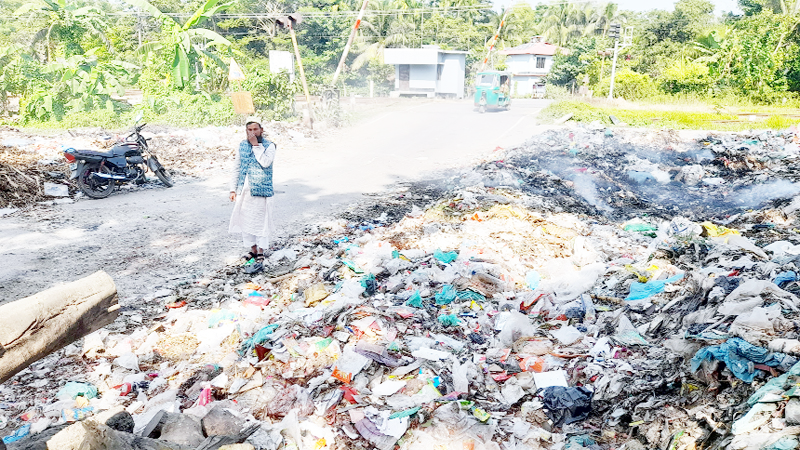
{"points": [[152, 238]]}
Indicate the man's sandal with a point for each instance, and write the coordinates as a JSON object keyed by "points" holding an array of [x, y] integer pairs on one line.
{"points": [[249, 256]]}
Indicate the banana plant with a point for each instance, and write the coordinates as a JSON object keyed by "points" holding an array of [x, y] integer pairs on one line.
{"points": [[180, 42], [64, 23], [81, 83]]}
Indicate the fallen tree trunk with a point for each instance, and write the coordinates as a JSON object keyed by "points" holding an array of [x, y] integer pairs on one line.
{"points": [[36, 326]]}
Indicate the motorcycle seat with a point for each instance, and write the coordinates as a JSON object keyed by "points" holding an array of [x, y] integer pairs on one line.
{"points": [[104, 154]]}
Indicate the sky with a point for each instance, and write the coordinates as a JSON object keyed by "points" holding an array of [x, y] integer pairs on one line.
{"points": [[669, 5]]}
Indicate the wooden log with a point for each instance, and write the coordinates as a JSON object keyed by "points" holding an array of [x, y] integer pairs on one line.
{"points": [[36, 326]]}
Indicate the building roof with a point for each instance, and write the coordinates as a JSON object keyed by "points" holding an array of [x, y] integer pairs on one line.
{"points": [[532, 48]]}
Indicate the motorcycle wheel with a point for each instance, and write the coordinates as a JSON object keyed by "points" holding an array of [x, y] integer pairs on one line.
{"points": [[482, 109], [92, 187], [165, 177]]}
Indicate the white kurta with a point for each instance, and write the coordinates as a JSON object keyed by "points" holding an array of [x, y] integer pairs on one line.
{"points": [[252, 216]]}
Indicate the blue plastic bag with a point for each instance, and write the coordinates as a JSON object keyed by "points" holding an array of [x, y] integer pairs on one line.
{"points": [[259, 337], [449, 320], [415, 300], [785, 278], [446, 295], [470, 295], [738, 355], [19, 434], [533, 279], [445, 257], [641, 291]]}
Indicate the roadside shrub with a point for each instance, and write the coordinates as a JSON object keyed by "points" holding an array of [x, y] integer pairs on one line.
{"points": [[273, 93], [555, 92], [687, 78], [629, 85]]}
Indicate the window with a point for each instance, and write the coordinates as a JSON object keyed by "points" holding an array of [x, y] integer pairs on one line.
{"points": [[539, 62], [485, 80]]}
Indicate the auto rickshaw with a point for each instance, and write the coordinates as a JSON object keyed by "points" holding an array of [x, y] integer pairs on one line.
{"points": [[493, 90]]}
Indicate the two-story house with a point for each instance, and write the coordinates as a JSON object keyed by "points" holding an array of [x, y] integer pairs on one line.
{"points": [[528, 64]]}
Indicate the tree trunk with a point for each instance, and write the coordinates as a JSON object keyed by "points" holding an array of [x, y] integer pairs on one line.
{"points": [[36, 326]]}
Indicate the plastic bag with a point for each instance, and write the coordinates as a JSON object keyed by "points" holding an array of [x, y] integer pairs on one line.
{"points": [[532, 279], [415, 300], [73, 389], [567, 335], [446, 295], [513, 325], [258, 338], [739, 356], [641, 291], [784, 278], [565, 405], [18, 434], [449, 320], [445, 257]]}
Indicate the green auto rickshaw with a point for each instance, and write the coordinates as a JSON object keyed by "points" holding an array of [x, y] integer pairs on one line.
{"points": [[493, 90]]}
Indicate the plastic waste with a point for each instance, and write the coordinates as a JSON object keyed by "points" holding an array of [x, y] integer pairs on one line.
{"points": [[259, 337], [784, 278], [443, 257], [712, 230], [415, 300], [20, 433], [73, 389], [643, 228], [446, 295], [449, 320], [565, 405], [532, 279], [739, 356], [567, 335], [641, 291]]}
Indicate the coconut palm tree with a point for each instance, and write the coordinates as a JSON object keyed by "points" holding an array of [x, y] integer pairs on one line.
{"points": [[379, 30], [63, 23], [607, 14]]}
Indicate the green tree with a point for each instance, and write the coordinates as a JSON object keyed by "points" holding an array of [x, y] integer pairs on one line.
{"points": [[182, 43]]}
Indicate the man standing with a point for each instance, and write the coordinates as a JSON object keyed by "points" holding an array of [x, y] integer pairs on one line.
{"points": [[251, 189]]}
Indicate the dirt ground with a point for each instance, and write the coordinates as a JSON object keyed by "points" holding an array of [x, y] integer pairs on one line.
{"points": [[151, 238]]}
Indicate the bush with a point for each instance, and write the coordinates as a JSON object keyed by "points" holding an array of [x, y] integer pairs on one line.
{"points": [[273, 93], [685, 79], [629, 85], [555, 92]]}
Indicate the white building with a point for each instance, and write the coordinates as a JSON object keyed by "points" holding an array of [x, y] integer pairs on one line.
{"points": [[528, 64], [428, 71]]}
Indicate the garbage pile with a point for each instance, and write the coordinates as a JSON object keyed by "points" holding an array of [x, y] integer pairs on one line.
{"points": [[623, 173], [24, 180], [33, 169], [493, 316]]}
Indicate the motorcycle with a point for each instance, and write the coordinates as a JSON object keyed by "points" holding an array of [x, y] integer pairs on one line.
{"points": [[99, 172]]}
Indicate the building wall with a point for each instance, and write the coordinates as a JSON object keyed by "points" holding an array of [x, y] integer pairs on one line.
{"points": [[422, 77], [524, 86], [527, 64], [452, 74]]}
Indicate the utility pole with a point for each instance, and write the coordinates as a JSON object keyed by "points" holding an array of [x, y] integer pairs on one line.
{"points": [[346, 50], [615, 32], [289, 22]]}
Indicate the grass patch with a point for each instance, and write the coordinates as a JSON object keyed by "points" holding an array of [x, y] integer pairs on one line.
{"points": [[680, 120]]}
